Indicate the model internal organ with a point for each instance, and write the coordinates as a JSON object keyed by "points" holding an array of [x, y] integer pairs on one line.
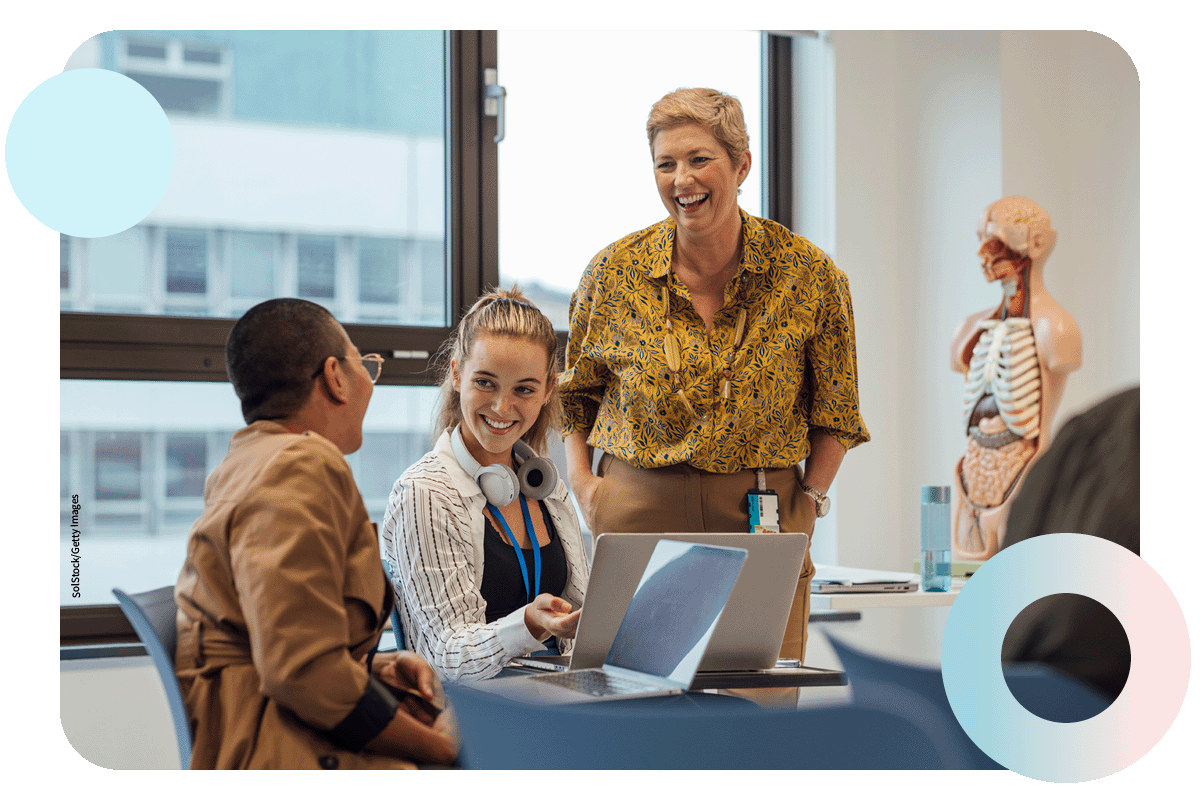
{"points": [[1015, 358], [1000, 410], [1004, 364]]}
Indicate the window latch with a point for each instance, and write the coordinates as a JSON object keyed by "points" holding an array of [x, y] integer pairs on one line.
{"points": [[493, 101]]}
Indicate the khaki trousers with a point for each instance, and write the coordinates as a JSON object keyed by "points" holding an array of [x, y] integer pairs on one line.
{"points": [[683, 499]]}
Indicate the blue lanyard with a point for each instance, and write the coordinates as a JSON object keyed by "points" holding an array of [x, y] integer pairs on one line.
{"points": [[537, 550]]}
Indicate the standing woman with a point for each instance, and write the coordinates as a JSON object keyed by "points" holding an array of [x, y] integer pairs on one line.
{"points": [[707, 352], [481, 534]]}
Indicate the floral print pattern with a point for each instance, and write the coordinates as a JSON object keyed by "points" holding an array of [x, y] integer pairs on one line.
{"points": [[796, 369]]}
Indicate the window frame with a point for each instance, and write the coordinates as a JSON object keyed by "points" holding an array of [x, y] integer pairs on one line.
{"points": [[178, 348]]}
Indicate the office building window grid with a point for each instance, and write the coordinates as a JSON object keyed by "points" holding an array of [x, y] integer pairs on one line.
{"points": [[140, 491], [352, 168], [222, 273]]}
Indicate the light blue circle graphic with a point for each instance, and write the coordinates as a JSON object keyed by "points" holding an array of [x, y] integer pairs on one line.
{"points": [[89, 152], [1158, 671]]}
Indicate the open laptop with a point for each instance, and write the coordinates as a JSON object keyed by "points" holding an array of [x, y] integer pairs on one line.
{"points": [[752, 626], [662, 636]]}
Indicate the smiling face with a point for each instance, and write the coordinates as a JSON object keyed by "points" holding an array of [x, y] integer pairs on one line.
{"points": [[697, 180], [503, 385]]}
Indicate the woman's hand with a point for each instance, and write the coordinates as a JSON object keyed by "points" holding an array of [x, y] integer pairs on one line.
{"points": [[586, 487], [584, 483], [405, 669], [407, 737], [550, 616]]}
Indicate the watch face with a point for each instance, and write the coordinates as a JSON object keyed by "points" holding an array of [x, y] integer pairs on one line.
{"points": [[823, 507]]}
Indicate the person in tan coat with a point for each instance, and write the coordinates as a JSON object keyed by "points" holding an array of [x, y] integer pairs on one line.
{"points": [[283, 596]]}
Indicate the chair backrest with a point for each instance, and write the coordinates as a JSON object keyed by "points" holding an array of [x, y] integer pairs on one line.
{"points": [[152, 615], [1051, 694], [397, 629], [650, 735], [914, 692]]}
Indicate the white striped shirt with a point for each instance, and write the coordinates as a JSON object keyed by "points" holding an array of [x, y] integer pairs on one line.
{"points": [[433, 537]]}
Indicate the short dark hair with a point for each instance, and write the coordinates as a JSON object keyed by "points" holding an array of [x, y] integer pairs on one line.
{"points": [[272, 352]]}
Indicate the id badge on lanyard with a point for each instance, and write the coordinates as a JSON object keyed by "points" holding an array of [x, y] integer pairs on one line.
{"points": [[764, 507]]}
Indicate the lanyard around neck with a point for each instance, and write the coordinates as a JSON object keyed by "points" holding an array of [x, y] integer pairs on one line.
{"points": [[537, 551]]}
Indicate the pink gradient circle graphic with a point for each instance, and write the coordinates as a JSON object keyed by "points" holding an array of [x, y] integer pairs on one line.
{"points": [[1158, 671]]}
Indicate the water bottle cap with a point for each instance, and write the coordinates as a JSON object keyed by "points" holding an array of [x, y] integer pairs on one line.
{"points": [[935, 494]]}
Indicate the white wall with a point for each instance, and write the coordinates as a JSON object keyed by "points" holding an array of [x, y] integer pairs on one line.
{"points": [[931, 128]]}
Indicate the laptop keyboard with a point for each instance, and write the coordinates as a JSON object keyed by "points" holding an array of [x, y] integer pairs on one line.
{"points": [[594, 682]]}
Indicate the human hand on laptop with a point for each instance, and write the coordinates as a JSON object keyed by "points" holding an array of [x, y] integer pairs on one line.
{"points": [[550, 616]]}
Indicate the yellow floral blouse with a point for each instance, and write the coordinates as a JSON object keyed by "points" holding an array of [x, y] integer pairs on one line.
{"points": [[795, 370]]}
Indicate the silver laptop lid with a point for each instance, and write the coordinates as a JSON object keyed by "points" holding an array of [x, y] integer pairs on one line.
{"points": [[752, 625], [675, 610]]}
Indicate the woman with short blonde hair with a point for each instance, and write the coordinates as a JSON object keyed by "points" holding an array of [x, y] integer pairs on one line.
{"points": [[708, 354]]}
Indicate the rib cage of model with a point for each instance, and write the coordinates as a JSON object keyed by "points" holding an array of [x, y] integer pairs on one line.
{"points": [[1004, 365], [1016, 358]]}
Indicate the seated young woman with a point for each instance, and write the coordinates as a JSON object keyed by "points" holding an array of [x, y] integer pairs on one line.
{"points": [[481, 534]]}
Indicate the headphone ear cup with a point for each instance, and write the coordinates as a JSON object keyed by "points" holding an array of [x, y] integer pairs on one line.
{"points": [[538, 476], [499, 484]]}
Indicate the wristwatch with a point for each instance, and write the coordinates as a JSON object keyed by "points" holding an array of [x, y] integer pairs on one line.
{"points": [[822, 501]]}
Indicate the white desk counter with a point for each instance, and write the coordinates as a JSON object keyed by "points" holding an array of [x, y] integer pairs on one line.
{"points": [[844, 601]]}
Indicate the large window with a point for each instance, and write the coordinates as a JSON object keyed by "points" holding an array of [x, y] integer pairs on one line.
{"points": [[349, 167], [590, 157], [358, 169]]}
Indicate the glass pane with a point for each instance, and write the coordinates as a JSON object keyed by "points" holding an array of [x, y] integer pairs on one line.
{"points": [[118, 264], [187, 95], [118, 466], [64, 262], [64, 464], [186, 466], [187, 261], [378, 270], [150, 445], [319, 140], [316, 262], [597, 148], [146, 51], [253, 264]]}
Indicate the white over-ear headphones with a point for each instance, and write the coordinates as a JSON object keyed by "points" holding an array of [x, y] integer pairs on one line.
{"points": [[536, 476]]}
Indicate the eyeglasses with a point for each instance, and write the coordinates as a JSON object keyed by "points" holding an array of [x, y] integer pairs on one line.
{"points": [[372, 363]]}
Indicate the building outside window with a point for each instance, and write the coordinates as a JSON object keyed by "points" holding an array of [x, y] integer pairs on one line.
{"points": [[321, 164]]}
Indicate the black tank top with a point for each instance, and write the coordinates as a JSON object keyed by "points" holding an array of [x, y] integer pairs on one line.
{"points": [[501, 586]]}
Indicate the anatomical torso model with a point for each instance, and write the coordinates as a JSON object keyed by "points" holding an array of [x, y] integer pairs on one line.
{"points": [[1016, 358]]}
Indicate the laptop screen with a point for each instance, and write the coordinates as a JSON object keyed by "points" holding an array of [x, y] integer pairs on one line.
{"points": [[675, 609]]}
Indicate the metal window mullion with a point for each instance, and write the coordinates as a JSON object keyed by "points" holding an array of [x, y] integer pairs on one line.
{"points": [[156, 448], [778, 167], [156, 268], [219, 284], [213, 293], [287, 276], [352, 267], [472, 193]]}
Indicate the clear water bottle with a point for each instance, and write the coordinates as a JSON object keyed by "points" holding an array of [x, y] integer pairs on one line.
{"points": [[935, 538]]}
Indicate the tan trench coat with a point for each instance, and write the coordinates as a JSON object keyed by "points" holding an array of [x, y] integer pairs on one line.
{"points": [[281, 595]]}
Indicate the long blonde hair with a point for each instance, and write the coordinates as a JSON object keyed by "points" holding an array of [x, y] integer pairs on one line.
{"points": [[501, 312]]}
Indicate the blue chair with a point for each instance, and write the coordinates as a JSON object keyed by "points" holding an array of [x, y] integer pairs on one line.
{"points": [[397, 629], [152, 615], [638, 735], [1051, 694], [912, 691]]}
